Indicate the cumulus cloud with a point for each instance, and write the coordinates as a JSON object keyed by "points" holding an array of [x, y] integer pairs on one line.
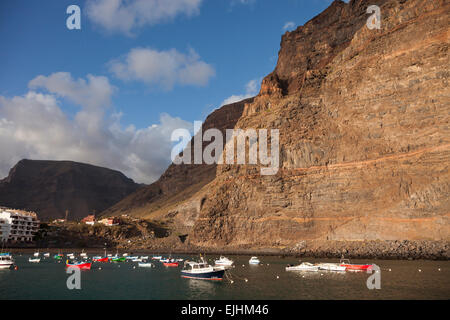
{"points": [[288, 26], [251, 90], [33, 126], [163, 68], [124, 16]]}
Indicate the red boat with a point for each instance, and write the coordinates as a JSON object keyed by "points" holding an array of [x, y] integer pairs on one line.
{"points": [[170, 264], [101, 260], [354, 266], [80, 265]]}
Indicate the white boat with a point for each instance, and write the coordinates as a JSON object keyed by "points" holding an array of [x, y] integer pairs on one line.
{"points": [[179, 260], [36, 254], [132, 258], [6, 261], [331, 267], [145, 264], [254, 260], [305, 266], [157, 257], [37, 260], [47, 254], [125, 255], [224, 261], [144, 257], [83, 254]]}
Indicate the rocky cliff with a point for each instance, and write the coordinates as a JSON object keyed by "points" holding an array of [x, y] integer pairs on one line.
{"points": [[51, 187], [363, 117]]}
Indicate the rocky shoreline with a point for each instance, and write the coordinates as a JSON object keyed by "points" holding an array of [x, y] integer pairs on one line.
{"points": [[377, 249]]}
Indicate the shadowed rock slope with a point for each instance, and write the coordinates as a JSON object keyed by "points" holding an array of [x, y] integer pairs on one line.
{"points": [[364, 139], [51, 187]]}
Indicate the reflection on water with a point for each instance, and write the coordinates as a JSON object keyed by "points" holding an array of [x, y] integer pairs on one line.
{"points": [[201, 289]]}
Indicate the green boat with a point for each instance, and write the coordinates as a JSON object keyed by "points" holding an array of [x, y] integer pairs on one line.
{"points": [[58, 257], [121, 259]]}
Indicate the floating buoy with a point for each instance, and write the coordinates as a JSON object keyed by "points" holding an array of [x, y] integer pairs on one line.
{"points": [[134, 267], [278, 277], [231, 281], [243, 265], [246, 280], [390, 270], [16, 268], [420, 270], [267, 264], [100, 268], [321, 274], [439, 269]]}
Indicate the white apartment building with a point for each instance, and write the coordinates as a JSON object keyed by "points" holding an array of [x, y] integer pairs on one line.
{"points": [[18, 225]]}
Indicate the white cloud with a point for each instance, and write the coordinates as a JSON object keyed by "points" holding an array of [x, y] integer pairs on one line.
{"points": [[124, 16], [163, 68], [289, 26], [251, 90], [33, 126]]}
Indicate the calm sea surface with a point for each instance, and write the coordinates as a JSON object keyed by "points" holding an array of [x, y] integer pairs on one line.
{"points": [[47, 280]]}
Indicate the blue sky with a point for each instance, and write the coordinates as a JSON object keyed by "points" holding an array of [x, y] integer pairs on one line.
{"points": [[188, 57]]}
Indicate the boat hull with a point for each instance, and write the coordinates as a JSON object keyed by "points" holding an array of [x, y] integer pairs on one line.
{"points": [[101, 260], [170, 264], [82, 266], [357, 266], [213, 275]]}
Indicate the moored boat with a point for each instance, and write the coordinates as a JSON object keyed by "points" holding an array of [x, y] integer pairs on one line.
{"points": [[6, 261], [171, 264], [118, 259], [145, 264], [36, 260], [224, 261], [156, 257], [100, 259], [47, 254], [305, 266], [354, 266], [331, 267], [254, 260], [202, 271], [80, 265]]}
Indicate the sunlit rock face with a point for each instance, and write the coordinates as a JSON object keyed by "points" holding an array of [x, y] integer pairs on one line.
{"points": [[363, 116]]}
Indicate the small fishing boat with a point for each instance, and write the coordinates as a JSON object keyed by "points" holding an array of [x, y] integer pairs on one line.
{"points": [[305, 266], [331, 267], [179, 260], [145, 265], [6, 261], [144, 257], [254, 260], [118, 259], [36, 254], [79, 265], [47, 254], [224, 261], [125, 255], [100, 259], [132, 258], [354, 266], [157, 257], [58, 256], [36, 260], [202, 271], [83, 254], [172, 264]]}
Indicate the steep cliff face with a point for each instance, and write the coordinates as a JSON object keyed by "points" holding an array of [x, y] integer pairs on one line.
{"points": [[52, 187], [363, 117]]}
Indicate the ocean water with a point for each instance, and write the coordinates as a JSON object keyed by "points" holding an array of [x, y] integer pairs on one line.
{"points": [[47, 280]]}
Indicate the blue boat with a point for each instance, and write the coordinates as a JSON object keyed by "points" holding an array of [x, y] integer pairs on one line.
{"points": [[202, 270]]}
